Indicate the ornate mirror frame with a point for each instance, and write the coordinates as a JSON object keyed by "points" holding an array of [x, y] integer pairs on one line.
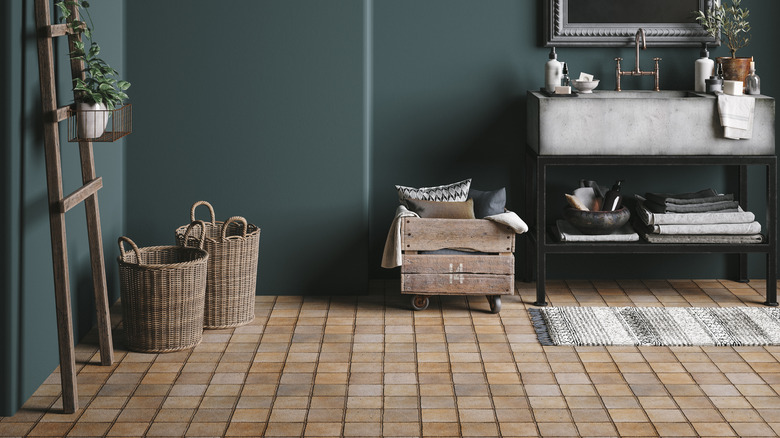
{"points": [[560, 29]]}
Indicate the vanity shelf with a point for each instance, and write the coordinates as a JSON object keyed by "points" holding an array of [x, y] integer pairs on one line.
{"points": [[541, 244]]}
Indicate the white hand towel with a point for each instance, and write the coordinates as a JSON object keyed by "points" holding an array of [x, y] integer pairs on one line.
{"points": [[736, 116]]}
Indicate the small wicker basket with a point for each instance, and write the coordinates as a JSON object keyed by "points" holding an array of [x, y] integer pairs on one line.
{"points": [[233, 248], [163, 290]]}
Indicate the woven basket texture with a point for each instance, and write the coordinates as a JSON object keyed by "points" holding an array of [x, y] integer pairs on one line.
{"points": [[163, 297], [231, 282]]}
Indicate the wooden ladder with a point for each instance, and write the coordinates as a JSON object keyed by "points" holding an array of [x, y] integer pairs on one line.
{"points": [[59, 204]]}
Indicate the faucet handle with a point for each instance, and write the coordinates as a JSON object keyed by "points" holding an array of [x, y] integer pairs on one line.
{"points": [[618, 59], [657, 59]]}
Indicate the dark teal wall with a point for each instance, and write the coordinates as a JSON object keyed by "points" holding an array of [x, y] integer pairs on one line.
{"points": [[29, 336], [289, 96], [258, 108]]}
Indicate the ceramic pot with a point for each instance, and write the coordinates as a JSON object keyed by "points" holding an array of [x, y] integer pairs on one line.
{"points": [[91, 119], [735, 69]]}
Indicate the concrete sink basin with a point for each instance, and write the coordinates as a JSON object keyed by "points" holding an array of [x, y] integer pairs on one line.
{"points": [[641, 123]]}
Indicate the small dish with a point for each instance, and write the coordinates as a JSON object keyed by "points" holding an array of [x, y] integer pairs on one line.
{"points": [[585, 87]]}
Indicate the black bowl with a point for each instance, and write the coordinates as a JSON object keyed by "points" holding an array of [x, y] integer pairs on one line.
{"points": [[597, 222]]}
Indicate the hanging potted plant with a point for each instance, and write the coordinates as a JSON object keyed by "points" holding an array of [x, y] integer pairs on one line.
{"points": [[731, 22], [100, 92]]}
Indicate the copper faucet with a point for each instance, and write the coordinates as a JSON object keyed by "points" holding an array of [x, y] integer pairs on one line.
{"points": [[640, 34]]}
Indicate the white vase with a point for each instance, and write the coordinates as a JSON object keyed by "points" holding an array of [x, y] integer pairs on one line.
{"points": [[91, 119]]}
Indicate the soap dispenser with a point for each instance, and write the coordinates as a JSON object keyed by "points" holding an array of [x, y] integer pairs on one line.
{"points": [[565, 80], [704, 68], [613, 200], [552, 72]]}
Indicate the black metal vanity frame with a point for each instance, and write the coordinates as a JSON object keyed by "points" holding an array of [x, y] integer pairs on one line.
{"points": [[541, 244]]}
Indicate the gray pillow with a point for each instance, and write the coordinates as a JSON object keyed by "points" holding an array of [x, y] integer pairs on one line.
{"points": [[488, 203]]}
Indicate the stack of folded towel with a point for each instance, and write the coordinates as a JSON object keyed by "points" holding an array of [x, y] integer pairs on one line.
{"points": [[701, 217]]}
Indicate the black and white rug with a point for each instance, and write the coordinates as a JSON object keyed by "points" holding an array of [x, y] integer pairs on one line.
{"points": [[662, 326]]}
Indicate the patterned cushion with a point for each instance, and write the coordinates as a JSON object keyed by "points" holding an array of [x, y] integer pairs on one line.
{"points": [[456, 192]]}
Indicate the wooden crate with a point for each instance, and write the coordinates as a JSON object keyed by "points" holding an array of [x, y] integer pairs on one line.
{"points": [[489, 272]]}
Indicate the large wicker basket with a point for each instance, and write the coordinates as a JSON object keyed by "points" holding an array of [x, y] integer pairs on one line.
{"points": [[233, 248], [163, 290]]}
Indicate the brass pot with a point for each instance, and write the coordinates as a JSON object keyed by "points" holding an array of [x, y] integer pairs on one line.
{"points": [[735, 69]]}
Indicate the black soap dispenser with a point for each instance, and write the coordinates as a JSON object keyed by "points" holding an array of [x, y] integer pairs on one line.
{"points": [[613, 200]]}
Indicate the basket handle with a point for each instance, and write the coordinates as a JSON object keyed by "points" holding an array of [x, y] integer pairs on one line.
{"points": [[199, 203], [239, 219], [202, 233], [124, 239]]}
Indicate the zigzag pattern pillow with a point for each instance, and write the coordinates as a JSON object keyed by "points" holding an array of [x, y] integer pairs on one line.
{"points": [[455, 192]]}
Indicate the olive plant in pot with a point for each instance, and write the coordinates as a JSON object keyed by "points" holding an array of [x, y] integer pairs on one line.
{"points": [[100, 92], [731, 22]]}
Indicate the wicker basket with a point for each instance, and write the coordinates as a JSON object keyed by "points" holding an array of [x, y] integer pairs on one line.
{"points": [[232, 275], [163, 290]]}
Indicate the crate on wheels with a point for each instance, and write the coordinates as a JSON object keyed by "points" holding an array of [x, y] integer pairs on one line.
{"points": [[434, 263]]}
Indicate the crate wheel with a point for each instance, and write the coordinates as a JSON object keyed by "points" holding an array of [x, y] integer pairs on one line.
{"points": [[495, 303], [420, 302]]}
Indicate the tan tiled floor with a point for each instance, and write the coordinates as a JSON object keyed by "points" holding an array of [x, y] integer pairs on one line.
{"points": [[368, 366]]}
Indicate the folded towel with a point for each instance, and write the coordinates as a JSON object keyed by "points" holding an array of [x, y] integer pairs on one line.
{"points": [[510, 219], [565, 232], [701, 197], [717, 217], [703, 238], [736, 116], [693, 208], [751, 228]]}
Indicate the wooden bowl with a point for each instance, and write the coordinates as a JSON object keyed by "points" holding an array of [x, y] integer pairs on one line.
{"points": [[597, 222]]}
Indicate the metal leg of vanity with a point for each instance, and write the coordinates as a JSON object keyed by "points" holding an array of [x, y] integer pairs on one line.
{"points": [[540, 244]]}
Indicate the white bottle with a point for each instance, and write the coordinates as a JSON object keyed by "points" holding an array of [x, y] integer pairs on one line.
{"points": [[552, 72], [704, 68]]}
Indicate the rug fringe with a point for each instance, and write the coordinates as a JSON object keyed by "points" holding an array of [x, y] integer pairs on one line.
{"points": [[540, 326]]}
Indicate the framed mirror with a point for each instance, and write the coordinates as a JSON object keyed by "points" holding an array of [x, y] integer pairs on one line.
{"points": [[613, 23]]}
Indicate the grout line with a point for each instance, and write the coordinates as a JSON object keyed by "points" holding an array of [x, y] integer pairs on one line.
{"points": [[316, 365], [482, 365], [246, 376]]}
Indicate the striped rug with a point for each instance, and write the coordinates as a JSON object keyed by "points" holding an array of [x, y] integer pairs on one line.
{"points": [[662, 326]]}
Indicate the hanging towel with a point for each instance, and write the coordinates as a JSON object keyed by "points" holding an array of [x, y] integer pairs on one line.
{"points": [[391, 257], [736, 116]]}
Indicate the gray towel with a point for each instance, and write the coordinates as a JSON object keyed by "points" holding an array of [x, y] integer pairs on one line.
{"points": [[700, 197], [703, 238], [715, 217], [720, 206]]}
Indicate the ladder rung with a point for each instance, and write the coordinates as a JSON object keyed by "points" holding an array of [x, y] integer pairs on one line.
{"points": [[57, 30], [81, 194], [62, 113]]}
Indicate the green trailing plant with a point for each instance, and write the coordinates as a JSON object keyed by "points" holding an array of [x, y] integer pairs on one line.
{"points": [[730, 21], [100, 84]]}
